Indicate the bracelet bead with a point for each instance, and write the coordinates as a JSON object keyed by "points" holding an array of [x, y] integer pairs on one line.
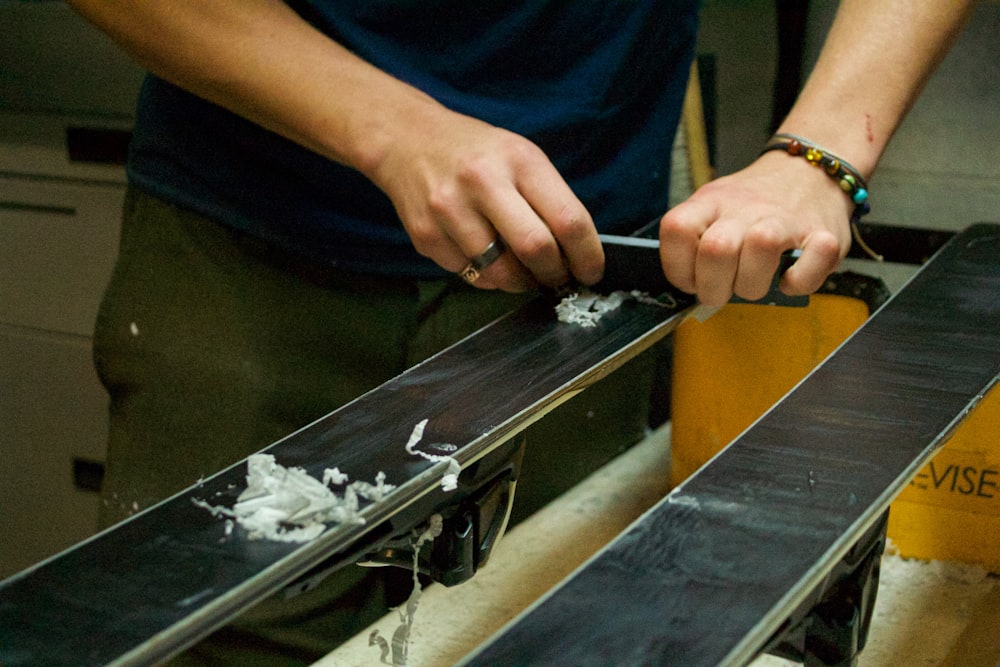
{"points": [[847, 177]]}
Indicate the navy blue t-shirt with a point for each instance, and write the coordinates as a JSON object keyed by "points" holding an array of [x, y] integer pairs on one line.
{"points": [[597, 84]]}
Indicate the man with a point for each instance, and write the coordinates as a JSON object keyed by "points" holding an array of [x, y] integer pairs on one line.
{"points": [[308, 177]]}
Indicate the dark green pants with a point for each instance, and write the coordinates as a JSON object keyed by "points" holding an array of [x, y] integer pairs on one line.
{"points": [[212, 346]]}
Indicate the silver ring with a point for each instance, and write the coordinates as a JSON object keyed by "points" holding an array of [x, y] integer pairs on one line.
{"points": [[474, 268]]}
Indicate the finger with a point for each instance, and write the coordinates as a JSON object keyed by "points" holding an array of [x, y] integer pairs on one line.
{"points": [[495, 267], [505, 273], [509, 275], [759, 259], [448, 250], [680, 234], [453, 243], [569, 222], [533, 244], [528, 236], [716, 264], [821, 255]]}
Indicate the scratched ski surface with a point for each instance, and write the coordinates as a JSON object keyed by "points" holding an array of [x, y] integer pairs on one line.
{"points": [[709, 574], [151, 586]]}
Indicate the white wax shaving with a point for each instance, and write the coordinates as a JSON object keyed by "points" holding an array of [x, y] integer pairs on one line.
{"points": [[373, 492], [664, 301], [449, 481], [334, 476], [586, 308], [289, 505]]}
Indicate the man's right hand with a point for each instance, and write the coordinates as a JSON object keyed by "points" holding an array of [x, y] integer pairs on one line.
{"points": [[458, 184]]}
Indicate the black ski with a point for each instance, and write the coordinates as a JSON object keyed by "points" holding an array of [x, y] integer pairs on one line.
{"points": [[149, 587], [709, 575]]}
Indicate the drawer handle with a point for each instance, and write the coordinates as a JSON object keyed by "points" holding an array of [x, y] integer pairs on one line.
{"points": [[49, 209], [97, 145]]}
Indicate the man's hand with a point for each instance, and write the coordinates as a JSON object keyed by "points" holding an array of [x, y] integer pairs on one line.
{"points": [[729, 236], [458, 184]]}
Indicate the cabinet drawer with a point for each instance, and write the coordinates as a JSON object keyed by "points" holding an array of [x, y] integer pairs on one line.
{"points": [[58, 244], [53, 409]]}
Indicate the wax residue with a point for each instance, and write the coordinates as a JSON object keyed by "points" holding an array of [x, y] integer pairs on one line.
{"points": [[400, 645], [449, 481], [290, 505], [586, 308]]}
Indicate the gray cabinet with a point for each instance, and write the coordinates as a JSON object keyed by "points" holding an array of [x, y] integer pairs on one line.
{"points": [[59, 224], [59, 221]]}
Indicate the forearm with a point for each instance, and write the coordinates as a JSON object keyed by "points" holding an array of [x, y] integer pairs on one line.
{"points": [[876, 60], [259, 59]]}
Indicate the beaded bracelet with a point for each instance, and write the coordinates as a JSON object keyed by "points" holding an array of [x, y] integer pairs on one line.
{"points": [[847, 177]]}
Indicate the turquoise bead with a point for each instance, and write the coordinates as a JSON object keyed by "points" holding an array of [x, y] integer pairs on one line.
{"points": [[860, 196]]}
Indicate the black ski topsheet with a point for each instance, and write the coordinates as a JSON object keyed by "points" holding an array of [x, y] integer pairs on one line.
{"points": [[711, 572], [156, 583]]}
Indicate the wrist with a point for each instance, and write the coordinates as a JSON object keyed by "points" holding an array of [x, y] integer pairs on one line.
{"points": [[380, 126], [396, 131], [860, 141], [843, 174]]}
